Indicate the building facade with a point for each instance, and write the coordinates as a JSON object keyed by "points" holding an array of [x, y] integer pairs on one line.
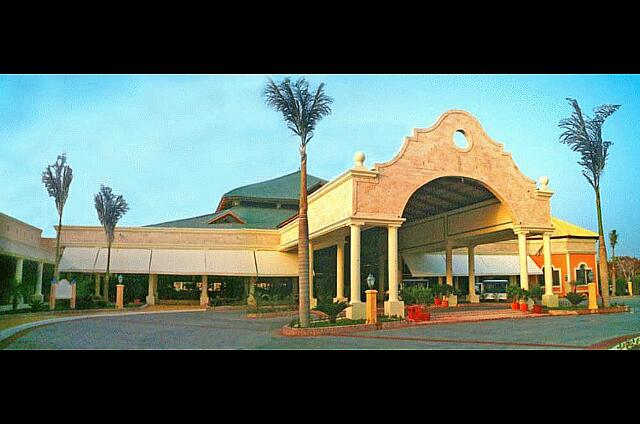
{"points": [[435, 210]]}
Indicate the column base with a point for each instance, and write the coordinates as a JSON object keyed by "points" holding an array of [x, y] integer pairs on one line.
{"points": [[453, 300], [313, 302], [394, 308], [37, 297], [550, 300], [357, 311], [473, 298], [204, 301], [340, 299], [151, 300]]}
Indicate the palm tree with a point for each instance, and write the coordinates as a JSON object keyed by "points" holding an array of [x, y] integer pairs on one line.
{"points": [[613, 240], [57, 179], [110, 209], [301, 110], [583, 134]]}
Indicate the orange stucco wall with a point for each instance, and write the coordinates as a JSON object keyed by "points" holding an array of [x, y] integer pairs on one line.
{"points": [[560, 262]]}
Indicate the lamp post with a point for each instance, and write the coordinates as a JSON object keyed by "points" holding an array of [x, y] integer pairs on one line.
{"points": [[372, 316], [120, 293]]}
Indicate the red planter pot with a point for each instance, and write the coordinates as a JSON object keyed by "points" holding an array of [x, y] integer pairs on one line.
{"points": [[437, 301], [524, 307], [515, 306], [537, 309], [445, 303]]}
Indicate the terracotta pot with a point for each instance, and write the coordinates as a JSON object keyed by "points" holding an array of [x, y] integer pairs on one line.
{"points": [[437, 301], [445, 303], [537, 309], [515, 306], [524, 307]]}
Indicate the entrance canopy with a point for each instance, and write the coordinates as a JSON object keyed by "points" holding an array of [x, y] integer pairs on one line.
{"points": [[247, 263], [433, 265]]}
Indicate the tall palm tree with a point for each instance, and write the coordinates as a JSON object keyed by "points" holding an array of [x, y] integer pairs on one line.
{"points": [[583, 134], [57, 179], [613, 240], [110, 208], [301, 111]]}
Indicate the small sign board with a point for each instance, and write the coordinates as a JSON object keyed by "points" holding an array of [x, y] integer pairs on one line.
{"points": [[63, 289]]}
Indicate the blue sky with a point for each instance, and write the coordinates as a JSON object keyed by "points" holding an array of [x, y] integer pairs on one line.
{"points": [[173, 144]]}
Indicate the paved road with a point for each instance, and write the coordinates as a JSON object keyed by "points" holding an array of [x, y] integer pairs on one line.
{"points": [[227, 330]]}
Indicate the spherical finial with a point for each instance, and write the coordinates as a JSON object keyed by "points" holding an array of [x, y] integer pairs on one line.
{"points": [[358, 159], [544, 182]]}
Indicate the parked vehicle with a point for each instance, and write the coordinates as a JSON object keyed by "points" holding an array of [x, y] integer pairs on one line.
{"points": [[493, 289]]}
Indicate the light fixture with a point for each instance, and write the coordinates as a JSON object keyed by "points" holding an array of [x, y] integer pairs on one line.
{"points": [[120, 279], [371, 280]]}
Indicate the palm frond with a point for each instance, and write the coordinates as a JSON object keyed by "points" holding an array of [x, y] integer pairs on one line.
{"points": [[110, 209], [57, 180]]}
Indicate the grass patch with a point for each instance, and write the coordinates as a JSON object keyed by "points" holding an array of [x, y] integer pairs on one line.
{"points": [[341, 322]]}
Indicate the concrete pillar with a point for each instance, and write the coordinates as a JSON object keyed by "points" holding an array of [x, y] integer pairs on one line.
{"points": [[358, 308], [313, 302], [151, 293], [381, 265], [251, 300], [449, 264], [97, 288], [394, 306], [37, 295], [119, 296], [204, 293], [340, 271], [18, 276], [440, 279], [471, 254], [567, 276], [548, 299], [522, 256]]}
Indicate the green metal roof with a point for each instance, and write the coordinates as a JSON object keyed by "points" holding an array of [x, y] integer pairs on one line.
{"points": [[285, 187], [261, 218]]}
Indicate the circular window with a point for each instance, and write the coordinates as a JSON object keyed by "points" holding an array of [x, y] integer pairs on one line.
{"points": [[461, 140]]}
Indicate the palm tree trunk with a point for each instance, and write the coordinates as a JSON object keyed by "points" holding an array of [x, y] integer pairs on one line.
{"points": [[303, 246], [56, 273], [602, 253], [613, 270], [105, 286]]}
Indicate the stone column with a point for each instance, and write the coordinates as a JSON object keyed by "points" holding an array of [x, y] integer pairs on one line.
{"points": [[567, 276], [522, 255], [251, 300], [449, 264], [151, 294], [381, 267], [18, 276], [340, 271], [548, 299], [358, 308], [313, 302], [97, 288], [37, 296], [394, 306], [471, 254], [204, 293]]}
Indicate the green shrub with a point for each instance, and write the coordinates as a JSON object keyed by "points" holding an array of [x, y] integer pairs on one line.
{"points": [[38, 305], [418, 295], [621, 287], [332, 309], [514, 292], [536, 293], [575, 298]]}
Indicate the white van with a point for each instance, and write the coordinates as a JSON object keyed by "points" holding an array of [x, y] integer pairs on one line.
{"points": [[492, 289]]}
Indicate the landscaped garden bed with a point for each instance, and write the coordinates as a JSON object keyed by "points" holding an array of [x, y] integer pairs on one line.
{"points": [[341, 326], [586, 311]]}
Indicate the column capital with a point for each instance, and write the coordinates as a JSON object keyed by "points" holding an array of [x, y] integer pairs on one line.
{"points": [[520, 231]]}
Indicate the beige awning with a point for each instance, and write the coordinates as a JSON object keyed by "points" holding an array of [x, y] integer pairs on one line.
{"points": [[78, 259], [230, 262], [276, 264], [178, 262], [124, 261], [433, 265]]}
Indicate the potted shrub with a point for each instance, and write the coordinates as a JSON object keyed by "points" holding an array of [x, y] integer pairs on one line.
{"points": [[447, 292], [524, 295], [437, 292], [514, 292], [536, 294]]}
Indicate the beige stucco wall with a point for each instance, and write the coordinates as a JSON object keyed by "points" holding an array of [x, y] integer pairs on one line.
{"points": [[20, 239], [174, 238], [431, 153]]}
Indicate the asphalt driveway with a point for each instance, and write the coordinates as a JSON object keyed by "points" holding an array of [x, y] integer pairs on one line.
{"points": [[230, 330]]}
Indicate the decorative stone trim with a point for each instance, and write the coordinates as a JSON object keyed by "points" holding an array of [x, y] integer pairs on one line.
{"points": [[610, 310], [328, 331]]}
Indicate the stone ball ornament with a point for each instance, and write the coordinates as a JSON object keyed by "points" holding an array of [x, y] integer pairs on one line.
{"points": [[359, 159], [544, 182]]}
